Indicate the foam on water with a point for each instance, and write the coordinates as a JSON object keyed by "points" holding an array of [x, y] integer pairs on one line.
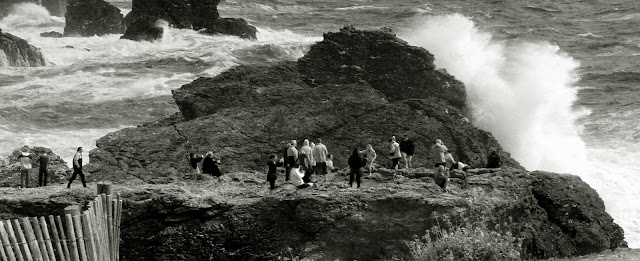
{"points": [[524, 92]]}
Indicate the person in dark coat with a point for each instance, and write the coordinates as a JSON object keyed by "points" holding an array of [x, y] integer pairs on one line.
{"points": [[493, 160], [272, 175], [43, 171], [193, 162], [210, 165], [355, 162], [407, 149]]}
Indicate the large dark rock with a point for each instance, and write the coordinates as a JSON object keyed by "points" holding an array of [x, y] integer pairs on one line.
{"points": [[142, 21], [93, 17], [10, 168], [17, 52], [55, 7], [378, 58]]}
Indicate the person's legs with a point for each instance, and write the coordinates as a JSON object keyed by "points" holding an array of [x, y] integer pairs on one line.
{"points": [[358, 176], [40, 174], [305, 185], [82, 178], [272, 184], [24, 178], [409, 157], [45, 177], [404, 159], [73, 177], [351, 174]]}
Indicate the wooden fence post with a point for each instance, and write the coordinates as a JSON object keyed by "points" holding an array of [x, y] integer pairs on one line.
{"points": [[71, 234], [6, 243], [65, 241], [22, 241], [31, 240]]}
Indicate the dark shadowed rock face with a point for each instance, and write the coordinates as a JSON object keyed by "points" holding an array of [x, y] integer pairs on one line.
{"points": [[92, 17], [17, 52], [55, 7], [185, 14], [378, 58]]}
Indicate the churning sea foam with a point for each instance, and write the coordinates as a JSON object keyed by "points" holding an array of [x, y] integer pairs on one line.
{"points": [[523, 92]]}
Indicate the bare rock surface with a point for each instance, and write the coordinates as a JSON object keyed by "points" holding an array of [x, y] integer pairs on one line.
{"points": [[16, 52], [93, 17]]}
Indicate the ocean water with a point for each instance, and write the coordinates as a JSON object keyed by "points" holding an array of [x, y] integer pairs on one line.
{"points": [[555, 81]]}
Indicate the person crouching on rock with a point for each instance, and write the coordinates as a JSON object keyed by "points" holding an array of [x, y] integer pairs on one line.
{"points": [[272, 175], [210, 165], [493, 160], [355, 162], [296, 178], [441, 177], [194, 159]]}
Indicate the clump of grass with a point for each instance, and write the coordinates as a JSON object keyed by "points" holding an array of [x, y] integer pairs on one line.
{"points": [[469, 241]]}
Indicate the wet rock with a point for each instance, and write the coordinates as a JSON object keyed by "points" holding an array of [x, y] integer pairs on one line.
{"points": [[143, 20], [17, 52], [52, 34], [93, 17]]}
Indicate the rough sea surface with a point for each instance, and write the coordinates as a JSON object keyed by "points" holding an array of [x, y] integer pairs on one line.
{"points": [[557, 82]]}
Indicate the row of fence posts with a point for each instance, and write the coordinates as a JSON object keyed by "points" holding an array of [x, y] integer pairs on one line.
{"points": [[90, 235]]}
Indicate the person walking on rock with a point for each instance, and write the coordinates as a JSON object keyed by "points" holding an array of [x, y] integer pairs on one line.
{"points": [[292, 157], [304, 160], [438, 150], [272, 175], [77, 168], [320, 153], [355, 163], [25, 167], [371, 156], [43, 171], [407, 149], [210, 165], [394, 152]]}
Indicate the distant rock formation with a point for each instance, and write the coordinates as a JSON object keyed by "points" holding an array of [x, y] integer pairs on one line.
{"points": [[93, 17], [142, 21], [52, 34], [17, 52], [55, 7], [10, 168]]}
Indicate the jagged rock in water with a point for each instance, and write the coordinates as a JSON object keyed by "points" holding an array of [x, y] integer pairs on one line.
{"points": [[10, 168], [142, 21], [52, 34], [17, 52], [55, 7], [232, 26], [93, 17]]}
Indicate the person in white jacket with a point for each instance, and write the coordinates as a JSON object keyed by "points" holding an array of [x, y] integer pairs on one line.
{"points": [[296, 178], [320, 157]]}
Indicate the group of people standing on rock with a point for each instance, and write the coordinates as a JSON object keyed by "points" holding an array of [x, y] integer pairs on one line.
{"points": [[311, 158], [204, 164], [43, 171]]}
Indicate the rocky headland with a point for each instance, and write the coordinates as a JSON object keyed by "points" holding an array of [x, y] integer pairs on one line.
{"points": [[351, 89], [10, 167], [143, 22], [92, 17], [17, 52]]}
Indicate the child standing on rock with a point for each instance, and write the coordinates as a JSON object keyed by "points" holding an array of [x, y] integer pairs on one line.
{"points": [[272, 175]]}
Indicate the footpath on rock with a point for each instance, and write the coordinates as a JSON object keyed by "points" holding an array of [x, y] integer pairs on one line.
{"points": [[352, 89]]}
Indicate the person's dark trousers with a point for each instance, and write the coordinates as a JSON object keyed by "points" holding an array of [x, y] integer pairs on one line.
{"points": [[24, 178], [291, 160], [42, 177], [77, 171], [357, 175], [307, 176]]}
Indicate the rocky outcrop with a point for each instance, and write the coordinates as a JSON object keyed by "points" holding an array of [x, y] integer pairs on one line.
{"points": [[142, 21], [249, 111], [10, 168], [51, 34], [55, 7], [237, 219], [17, 52], [93, 17]]}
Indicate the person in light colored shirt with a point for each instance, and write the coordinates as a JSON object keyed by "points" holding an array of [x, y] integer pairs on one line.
{"points": [[296, 178], [320, 153], [25, 167]]}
